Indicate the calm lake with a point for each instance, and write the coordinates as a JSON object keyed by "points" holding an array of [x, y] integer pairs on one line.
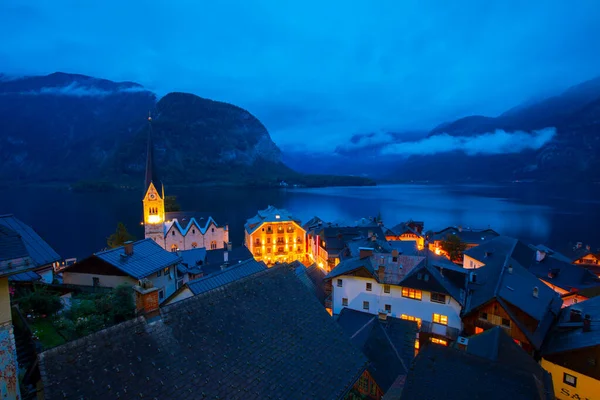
{"points": [[77, 224]]}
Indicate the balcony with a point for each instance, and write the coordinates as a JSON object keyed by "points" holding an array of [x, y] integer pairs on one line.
{"points": [[269, 231], [281, 253], [438, 329]]}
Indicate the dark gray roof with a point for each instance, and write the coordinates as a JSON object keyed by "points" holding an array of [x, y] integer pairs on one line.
{"points": [[379, 245], [147, 258], [563, 274], [237, 254], [471, 236], [405, 227], [228, 275], [193, 257], [395, 271], [567, 336], [313, 278], [39, 251], [27, 276], [495, 281], [498, 248], [259, 337], [336, 237], [14, 257], [446, 373], [389, 345]]}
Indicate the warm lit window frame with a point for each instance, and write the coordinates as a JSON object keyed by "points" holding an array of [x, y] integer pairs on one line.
{"points": [[412, 293], [411, 318], [439, 341], [440, 319]]}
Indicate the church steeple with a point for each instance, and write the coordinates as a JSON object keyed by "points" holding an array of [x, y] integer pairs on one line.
{"points": [[150, 176], [154, 197]]}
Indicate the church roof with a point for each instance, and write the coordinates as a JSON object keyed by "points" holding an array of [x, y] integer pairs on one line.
{"points": [[184, 221]]}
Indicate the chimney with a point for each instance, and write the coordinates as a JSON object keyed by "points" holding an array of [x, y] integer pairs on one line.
{"points": [[539, 255], [226, 257], [128, 247], [146, 297], [365, 252], [381, 273], [536, 292], [229, 246], [575, 315], [587, 323]]}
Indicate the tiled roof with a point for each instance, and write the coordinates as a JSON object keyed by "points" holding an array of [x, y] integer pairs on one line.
{"points": [[261, 337], [471, 236], [312, 277], [237, 254], [404, 227], [228, 275], [193, 257], [563, 274], [496, 250], [429, 278], [389, 345], [27, 276], [39, 251], [496, 281], [446, 373], [395, 271], [183, 221], [336, 237], [378, 245], [147, 258], [13, 248], [270, 214], [567, 335]]}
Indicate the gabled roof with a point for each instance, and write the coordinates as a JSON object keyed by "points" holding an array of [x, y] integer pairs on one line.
{"points": [[496, 281], [38, 250], [576, 252], [563, 274], [27, 276], [335, 238], [389, 345], [470, 236], [11, 245], [228, 275], [264, 335], [147, 258], [193, 257], [440, 372], [428, 278], [567, 335], [404, 227], [312, 277], [498, 248], [378, 245], [394, 272], [234, 256], [269, 214], [184, 221]]}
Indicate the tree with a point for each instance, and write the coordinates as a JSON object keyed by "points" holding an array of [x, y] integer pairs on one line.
{"points": [[119, 237], [454, 247], [171, 204], [123, 306], [41, 302]]}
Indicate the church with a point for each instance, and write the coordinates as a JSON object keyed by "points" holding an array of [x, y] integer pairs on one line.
{"points": [[176, 230]]}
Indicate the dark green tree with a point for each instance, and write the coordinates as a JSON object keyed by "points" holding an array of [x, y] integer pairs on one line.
{"points": [[123, 307], [171, 204], [454, 247], [41, 302], [119, 237]]}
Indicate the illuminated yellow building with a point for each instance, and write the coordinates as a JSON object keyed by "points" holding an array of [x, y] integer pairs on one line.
{"points": [[274, 235], [154, 214]]}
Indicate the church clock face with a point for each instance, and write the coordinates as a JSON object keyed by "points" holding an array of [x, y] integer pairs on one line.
{"points": [[152, 196]]}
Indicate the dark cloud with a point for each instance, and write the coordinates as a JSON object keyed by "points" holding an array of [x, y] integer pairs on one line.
{"points": [[333, 69]]}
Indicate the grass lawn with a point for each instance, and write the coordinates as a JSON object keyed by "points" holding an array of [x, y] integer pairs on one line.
{"points": [[47, 333]]}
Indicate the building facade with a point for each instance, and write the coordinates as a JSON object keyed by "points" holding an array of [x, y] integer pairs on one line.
{"points": [[274, 235]]}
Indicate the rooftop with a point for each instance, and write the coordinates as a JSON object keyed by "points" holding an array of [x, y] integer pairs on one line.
{"points": [[269, 214], [229, 343], [389, 345], [394, 273], [147, 258], [185, 221], [38, 250], [312, 277], [228, 275], [468, 235], [447, 373]]}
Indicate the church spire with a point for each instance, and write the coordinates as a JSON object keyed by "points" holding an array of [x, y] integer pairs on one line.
{"points": [[150, 176]]}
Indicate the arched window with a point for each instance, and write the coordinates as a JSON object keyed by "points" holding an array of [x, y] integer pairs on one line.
{"points": [[213, 229], [172, 233], [174, 248], [193, 231], [213, 245], [194, 245]]}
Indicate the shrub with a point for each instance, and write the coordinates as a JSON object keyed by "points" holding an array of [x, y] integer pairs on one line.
{"points": [[41, 302]]}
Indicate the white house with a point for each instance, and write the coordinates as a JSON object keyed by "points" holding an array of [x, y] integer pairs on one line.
{"points": [[425, 288], [128, 264]]}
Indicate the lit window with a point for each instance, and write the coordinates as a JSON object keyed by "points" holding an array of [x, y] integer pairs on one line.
{"points": [[344, 302], [194, 245], [339, 283], [438, 298], [213, 245], [369, 287], [570, 379], [411, 293], [440, 319], [417, 347], [439, 341], [388, 308], [411, 318], [478, 330], [365, 305], [386, 288], [167, 270]]}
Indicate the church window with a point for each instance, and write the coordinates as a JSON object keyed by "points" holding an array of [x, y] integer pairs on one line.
{"points": [[174, 248], [193, 231], [212, 229], [213, 245], [194, 245], [172, 233]]}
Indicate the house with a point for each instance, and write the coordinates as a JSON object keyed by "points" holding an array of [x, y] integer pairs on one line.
{"points": [[580, 254], [332, 243], [470, 237], [216, 279], [491, 366], [571, 352], [577, 296], [127, 264], [411, 287], [15, 259], [387, 342], [502, 292], [263, 336], [409, 230], [43, 258], [275, 235], [175, 231]]}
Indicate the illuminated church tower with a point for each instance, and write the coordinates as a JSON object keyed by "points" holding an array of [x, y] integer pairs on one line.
{"points": [[154, 198]]}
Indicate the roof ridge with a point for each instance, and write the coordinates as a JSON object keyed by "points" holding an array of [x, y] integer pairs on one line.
{"points": [[362, 327], [394, 347]]}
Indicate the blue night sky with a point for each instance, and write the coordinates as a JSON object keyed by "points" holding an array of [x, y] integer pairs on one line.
{"points": [[317, 72]]}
